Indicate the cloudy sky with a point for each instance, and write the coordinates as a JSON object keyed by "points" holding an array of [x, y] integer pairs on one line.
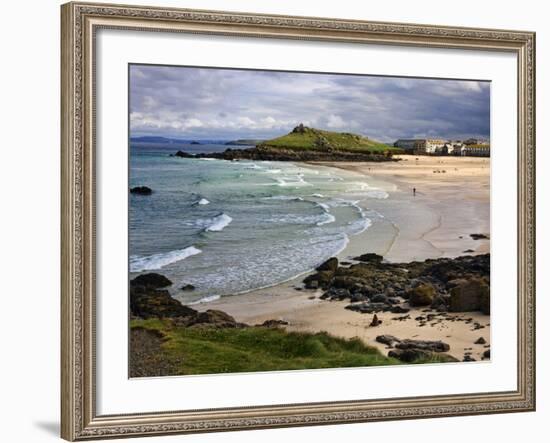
{"points": [[195, 103]]}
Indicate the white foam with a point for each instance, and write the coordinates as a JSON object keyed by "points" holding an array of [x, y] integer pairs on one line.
{"points": [[218, 223], [203, 201], [158, 261], [283, 197], [329, 218], [292, 181], [206, 299]]}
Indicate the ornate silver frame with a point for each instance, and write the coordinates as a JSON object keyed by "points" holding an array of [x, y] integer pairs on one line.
{"points": [[80, 21]]}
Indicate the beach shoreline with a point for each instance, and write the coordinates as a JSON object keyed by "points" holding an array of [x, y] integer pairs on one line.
{"points": [[437, 221]]}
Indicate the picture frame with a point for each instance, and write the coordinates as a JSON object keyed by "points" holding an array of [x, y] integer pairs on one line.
{"points": [[80, 24]]}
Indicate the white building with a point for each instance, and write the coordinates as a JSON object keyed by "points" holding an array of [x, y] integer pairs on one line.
{"points": [[476, 150]]}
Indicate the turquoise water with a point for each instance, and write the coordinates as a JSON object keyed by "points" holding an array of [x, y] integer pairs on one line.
{"points": [[230, 227]]}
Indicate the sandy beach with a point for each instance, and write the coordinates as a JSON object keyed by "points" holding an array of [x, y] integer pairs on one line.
{"points": [[451, 202]]}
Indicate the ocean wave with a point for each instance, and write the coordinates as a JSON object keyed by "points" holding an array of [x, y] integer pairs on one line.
{"points": [[274, 171], [298, 180], [283, 197], [217, 223], [329, 218], [158, 261], [318, 195], [203, 201], [205, 299]]}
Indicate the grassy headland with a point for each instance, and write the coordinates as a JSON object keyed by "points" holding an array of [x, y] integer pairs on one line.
{"points": [[304, 138], [308, 144]]}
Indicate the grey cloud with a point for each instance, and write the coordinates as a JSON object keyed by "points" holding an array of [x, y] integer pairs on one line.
{"points": [[222, 103]]}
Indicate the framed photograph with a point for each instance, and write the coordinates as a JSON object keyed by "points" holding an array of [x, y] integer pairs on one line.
{"points": [[275, 221]]}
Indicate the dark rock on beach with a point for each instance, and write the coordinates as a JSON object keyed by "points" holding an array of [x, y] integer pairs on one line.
{"points": [[427, 345], [370, 258], [479, 236], [422, 295], [273, 324], [469, 295], [330, 265], [151, 280], [147, 302], [141, 190], [188, 287]]}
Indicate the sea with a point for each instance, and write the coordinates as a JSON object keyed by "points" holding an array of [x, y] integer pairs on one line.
{"points": [[229, 227]]}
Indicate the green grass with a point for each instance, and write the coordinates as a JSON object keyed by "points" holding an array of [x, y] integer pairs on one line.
{"points": [[339, 141], [211, 351]]}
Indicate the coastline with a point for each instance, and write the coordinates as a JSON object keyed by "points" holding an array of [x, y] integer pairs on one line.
{"points": [[436, 222]]}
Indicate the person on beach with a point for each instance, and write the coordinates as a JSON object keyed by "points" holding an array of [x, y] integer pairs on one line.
{"points": [[414, 192]]}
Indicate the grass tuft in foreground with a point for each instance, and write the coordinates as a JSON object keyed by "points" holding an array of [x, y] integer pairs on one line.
{"points": [[209, 350]]}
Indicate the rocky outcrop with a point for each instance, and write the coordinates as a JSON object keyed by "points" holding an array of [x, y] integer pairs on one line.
{"points": [[149, 300], [141, 190], [447, 284], [266, 153]]}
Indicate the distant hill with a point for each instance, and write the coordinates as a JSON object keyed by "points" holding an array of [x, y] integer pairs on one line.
{"points": [[304, 138], [155, 139], [244, 142]]}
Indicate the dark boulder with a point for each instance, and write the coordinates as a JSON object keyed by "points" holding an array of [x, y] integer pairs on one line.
{"points": [[422, 295], [479, 236], [369, 258], [141, 190], [427, 345], [188, 287], [151, 280], [330, 265], [469, 295], [480, 341]]}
